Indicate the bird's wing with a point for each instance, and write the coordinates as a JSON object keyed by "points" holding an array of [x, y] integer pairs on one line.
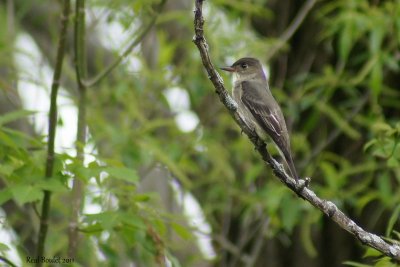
{"points": [[259, 101]]}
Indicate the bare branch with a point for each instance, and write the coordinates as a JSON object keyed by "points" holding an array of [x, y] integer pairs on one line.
{"points": [[325, 206]]}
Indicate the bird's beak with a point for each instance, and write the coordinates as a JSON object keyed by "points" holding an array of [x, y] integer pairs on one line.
{"points": [[230, 69]]}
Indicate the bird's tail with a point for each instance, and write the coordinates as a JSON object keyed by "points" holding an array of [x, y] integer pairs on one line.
{"points": [[292, 168], [284, 150]]}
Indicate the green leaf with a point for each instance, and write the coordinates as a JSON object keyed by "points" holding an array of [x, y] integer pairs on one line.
{"points": [[345, 41], [330, 174], [252, 173], [6, 169], [393, 219], [307, 242], [290, 213], [5, 195], [250, 7], [393, 162], [365, 199], [385, 189], [26, 193], [376, 79], [356, 264], [371, 252], [376, 38], [123, 173], [141, 197], [365, 70], [396, 234], [132, 219], [53, 185], [92, 229], [338, 120], [108, 219], [4, 247], [165, 159], [7, 140], [181, 231], [17, 139], [369, 144], [15, 115], [386, 262]]}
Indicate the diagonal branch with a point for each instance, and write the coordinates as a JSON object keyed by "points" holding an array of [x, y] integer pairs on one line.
{"points": [[7, 261], [91, 82], [335, 133], [325, 206], [288, 33]]}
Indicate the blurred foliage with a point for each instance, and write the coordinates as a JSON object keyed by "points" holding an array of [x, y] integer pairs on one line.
{"points": [[337, 80]]}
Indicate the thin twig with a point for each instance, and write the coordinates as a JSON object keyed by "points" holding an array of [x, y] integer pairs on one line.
{"points": [[229, 246], [128, 50], [52, 130], [325, 206], [226, 226], [335, 133], [247, 233], [258, 243], [288, 33], [10, 263]]}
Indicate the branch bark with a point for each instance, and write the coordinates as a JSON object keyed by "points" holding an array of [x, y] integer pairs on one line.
{"points": [[52, 130], [325, 206], [78, 186]]}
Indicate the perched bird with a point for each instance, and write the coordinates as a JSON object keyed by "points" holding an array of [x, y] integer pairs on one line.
{"points": [[259, 108]]}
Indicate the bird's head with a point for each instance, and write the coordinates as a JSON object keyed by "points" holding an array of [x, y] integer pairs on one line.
{"points": [[246, 67]]}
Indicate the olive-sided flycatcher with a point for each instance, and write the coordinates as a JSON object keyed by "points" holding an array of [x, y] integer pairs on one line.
{"points": [[259, 108]]}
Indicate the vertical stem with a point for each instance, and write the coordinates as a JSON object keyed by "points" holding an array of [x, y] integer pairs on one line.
{"points": [[79, 43], [10, 18], [52, 131], [78, 186]]}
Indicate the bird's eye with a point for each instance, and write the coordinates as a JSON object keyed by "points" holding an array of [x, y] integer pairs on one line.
{"points": [[244, 66]]}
